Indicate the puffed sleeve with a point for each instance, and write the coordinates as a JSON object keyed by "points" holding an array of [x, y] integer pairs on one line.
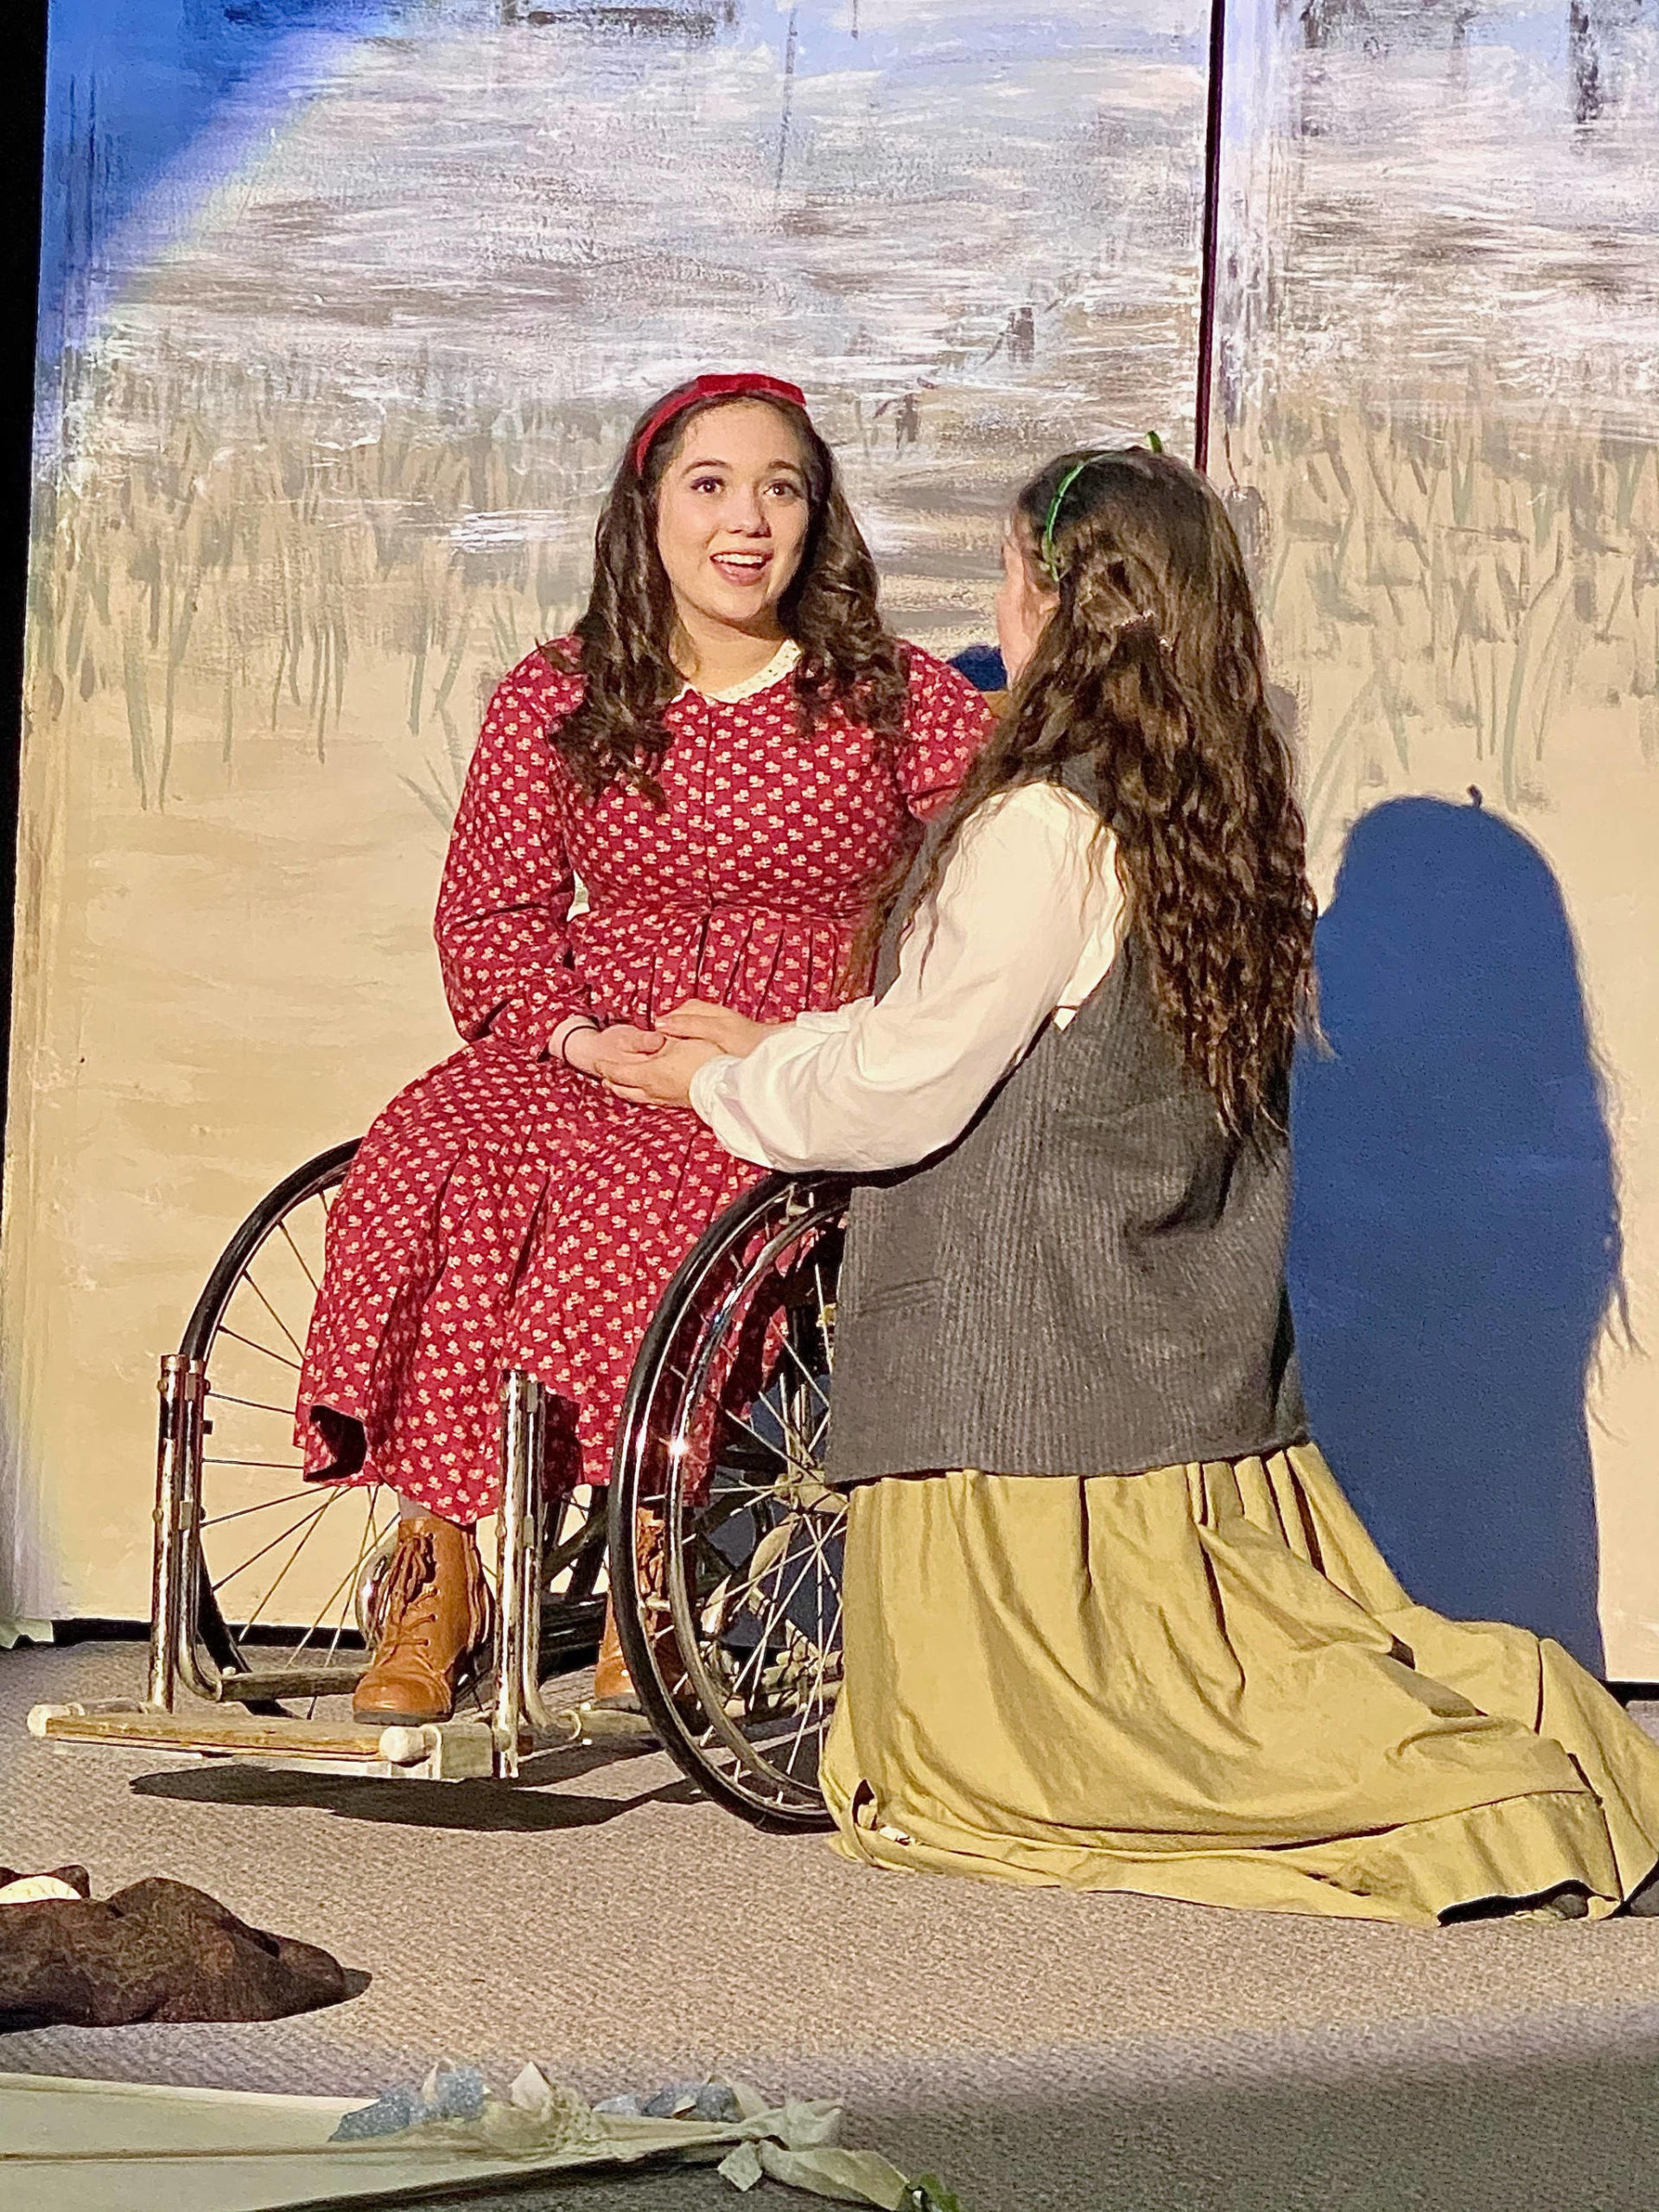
{"points": [[948, 722], [503, 944]]}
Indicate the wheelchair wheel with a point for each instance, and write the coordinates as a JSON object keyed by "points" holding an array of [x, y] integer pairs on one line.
{"points": [[726, 1544], [285, 1570]]}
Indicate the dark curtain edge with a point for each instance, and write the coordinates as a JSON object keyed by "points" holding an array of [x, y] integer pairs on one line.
{"points": [[20, 164]]}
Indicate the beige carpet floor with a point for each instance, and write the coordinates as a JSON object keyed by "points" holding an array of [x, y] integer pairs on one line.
{"points": [[1044, 2053]]}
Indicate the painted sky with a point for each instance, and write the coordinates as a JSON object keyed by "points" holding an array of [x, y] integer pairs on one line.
{"points": [[451, 192], [131, 91], [150, 105]]}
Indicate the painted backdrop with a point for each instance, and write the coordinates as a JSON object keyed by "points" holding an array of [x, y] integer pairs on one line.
{"points": [[348, 307], [1438, 417]]}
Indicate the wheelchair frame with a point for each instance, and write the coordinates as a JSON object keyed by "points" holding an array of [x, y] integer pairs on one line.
{"points": [[203, 1698], [517, 1725]]}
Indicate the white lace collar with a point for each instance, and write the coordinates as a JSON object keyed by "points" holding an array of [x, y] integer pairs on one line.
{"points": [[783, 662]]}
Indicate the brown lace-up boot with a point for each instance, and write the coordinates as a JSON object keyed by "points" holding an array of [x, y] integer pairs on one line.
{"points": [[613, 1684], [431, 1613]]}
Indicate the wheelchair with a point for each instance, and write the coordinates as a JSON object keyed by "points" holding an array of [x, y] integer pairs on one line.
{"points": [[263, 1584]]}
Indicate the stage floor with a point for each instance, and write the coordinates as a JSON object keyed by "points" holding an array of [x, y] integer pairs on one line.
{"points": [[1041, 2052]]}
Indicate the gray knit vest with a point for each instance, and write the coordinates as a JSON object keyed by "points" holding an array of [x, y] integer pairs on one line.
{"points": [[1090, 1281]]}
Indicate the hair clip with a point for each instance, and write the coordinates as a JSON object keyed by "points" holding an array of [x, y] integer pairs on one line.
{"points": [[1144, 615]]}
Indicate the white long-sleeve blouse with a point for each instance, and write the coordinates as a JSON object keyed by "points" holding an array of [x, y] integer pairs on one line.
{"points": [[1029, 917]]}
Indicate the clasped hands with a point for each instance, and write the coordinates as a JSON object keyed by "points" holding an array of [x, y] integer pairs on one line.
{"points": [[654, 1067]]}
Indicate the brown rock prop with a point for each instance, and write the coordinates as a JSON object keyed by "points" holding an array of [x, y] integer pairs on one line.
{"points": [[157, 1950]]}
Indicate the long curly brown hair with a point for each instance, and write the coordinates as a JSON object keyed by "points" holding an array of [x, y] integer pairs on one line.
{"points": [[1149, 675], [849, 658]]}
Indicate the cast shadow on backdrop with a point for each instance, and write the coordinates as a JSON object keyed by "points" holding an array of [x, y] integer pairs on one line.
{"points": [[1455, 1250]]}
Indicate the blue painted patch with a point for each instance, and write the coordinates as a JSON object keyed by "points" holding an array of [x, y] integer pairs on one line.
{"points": [[129, 90], [1456, 1243], [982, 666]]}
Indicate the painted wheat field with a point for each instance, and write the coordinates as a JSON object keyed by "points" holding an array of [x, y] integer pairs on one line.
{"points": [[1440, 386], [329, 463], [1458, 598]]}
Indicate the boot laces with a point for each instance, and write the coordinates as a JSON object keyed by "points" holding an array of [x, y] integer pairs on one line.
{"points": [[408, 1597]]}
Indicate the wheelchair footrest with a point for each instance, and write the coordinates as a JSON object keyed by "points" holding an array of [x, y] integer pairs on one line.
{"points": [[454, 1750], [596, 1724], [249, 1688]]}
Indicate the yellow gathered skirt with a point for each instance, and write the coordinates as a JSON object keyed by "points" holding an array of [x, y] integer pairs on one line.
{"points": [[1203, 1682]]}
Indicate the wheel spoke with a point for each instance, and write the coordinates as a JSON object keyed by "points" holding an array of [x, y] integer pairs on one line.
{"points": [[282, 1466], [779, 1610], [365, 1550], [826, 1325], [288, 1238], [796, 1456], [350, 1575], [346, 1580], [315, 1513], [796, 1742], [252, 1281], [816, 1558], [284, 1571], [778, 1560], [737, 1496], [737, 1593], [225, 1330], [259, 1405], [265, 1504], [807, 1375], [756, 1660], [765, 1442]]}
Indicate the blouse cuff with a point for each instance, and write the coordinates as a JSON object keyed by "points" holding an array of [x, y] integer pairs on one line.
{"points": [[707, 1092]]}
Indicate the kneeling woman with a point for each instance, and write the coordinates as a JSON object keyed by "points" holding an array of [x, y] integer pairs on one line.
{"points": [[1155, 1649]]}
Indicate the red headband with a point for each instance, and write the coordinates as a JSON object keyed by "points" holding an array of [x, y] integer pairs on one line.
{"points": [[748, 385]]}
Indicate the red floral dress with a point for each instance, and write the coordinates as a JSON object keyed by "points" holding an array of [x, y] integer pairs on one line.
{"points": [[505, 1211]]}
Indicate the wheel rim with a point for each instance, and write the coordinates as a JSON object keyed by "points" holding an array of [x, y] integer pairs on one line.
{"points": [[757, 1621], [753, 1535]]}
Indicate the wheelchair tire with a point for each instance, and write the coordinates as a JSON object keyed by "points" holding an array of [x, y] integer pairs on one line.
{"points": [[732, 1638]]}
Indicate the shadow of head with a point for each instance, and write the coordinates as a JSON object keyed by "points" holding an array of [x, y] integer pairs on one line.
{"points": [[1456, 1252]]}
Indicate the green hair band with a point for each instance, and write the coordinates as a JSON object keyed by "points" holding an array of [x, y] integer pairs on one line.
{"points": [[1054, 506], [1155, 444]]}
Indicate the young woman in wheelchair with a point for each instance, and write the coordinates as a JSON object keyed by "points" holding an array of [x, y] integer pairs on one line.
{"points": [[1110, 1623], [730, 753]]}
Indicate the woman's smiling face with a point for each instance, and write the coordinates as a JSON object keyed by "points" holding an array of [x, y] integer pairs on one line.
{"points": [[732, 513]]}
